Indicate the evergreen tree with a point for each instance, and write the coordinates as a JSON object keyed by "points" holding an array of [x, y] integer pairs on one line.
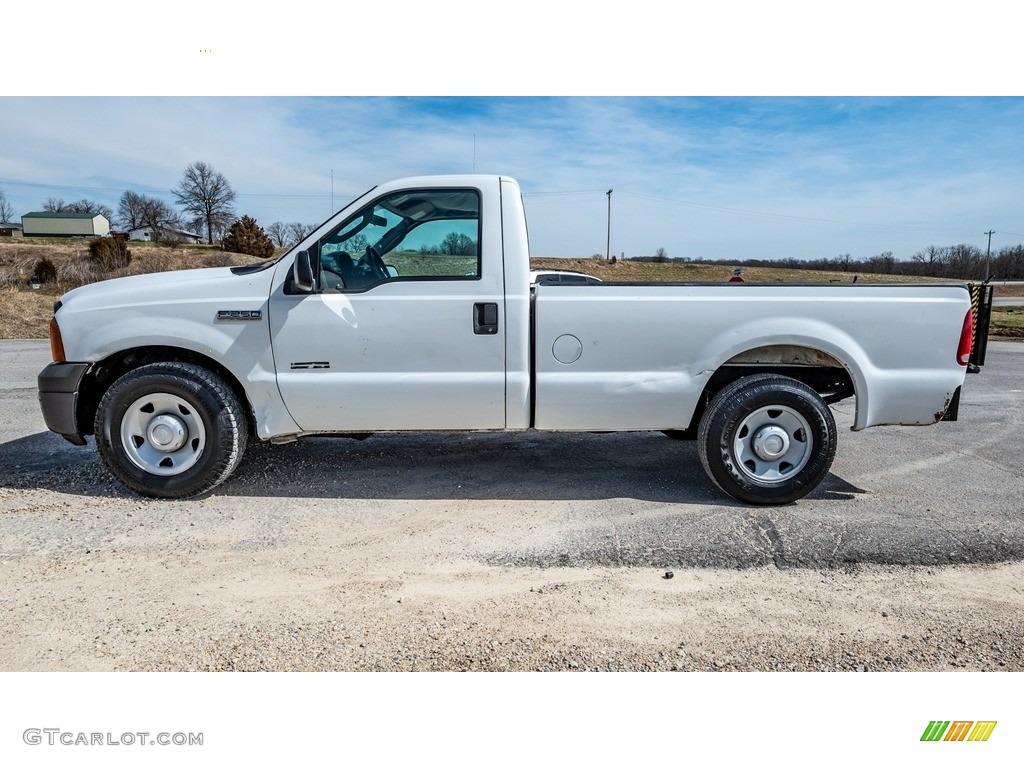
{"points": [[246, 236]]}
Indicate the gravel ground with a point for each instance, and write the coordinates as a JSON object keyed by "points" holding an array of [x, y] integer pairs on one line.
{"points": [[95, 579], [517, 552]]}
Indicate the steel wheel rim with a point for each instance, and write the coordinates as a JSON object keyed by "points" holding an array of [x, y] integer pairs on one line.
{"points": [[773, 444], [163, 434]]}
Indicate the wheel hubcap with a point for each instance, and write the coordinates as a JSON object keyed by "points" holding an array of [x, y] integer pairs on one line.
{"points": [[163, 434], [167, 433], [772, 444]]}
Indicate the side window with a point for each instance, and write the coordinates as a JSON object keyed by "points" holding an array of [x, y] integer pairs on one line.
{"points": [[418, 234]]}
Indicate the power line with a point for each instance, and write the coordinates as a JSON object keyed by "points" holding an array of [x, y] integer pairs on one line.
{"points": [[576, 193]]}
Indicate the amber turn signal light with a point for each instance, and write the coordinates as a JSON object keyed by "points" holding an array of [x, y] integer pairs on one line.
{"points": [[56, 342]]}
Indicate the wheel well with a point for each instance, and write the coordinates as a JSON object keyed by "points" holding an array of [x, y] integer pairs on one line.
{"points": [[104, 373], [819, 370]]}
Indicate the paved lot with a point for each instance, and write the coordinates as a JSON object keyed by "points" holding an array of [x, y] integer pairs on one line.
{"points": [[943, 494], [530, 551]]}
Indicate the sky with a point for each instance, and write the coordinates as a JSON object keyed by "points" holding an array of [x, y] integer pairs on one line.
{"points": [[701, 177], [746, 130]]}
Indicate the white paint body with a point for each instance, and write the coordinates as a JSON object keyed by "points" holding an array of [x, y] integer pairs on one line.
{"points": [[403, 354], [648, 351]]}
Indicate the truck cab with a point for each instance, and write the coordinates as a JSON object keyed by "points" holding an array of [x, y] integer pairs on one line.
{"points": [[416, 316]]}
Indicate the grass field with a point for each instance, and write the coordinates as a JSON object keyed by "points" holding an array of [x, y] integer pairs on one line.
{"points": [[713, 273], [1008, 321], [25, 311]]}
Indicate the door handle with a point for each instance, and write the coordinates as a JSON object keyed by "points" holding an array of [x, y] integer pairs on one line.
{"points": [[485, 318]]}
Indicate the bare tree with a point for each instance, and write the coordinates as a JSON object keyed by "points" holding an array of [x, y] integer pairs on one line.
{"points": [[1009, 263], [90, 206], [458, 244], [6, 210], [931, 259], [136, 210], [129, 210], [883, 263], [278, 232], [298, 232], [207, 196], [965, 261], [57, 205], [160, 218], [661, 255], [843, 262]]}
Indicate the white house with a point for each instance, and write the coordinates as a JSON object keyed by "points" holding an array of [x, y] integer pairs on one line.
{"points": [[146, 233], [62, 224]]}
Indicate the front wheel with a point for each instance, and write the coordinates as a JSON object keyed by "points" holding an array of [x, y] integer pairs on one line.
{"points": [[170, 430], [767, 439]]}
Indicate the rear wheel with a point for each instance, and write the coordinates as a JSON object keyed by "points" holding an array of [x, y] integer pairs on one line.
{"points": [[767, 439], [170, 430]]}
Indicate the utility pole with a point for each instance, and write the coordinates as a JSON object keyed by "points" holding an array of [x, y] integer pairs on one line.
{"points": [[988, 253], [332, 192], [608, 250]]}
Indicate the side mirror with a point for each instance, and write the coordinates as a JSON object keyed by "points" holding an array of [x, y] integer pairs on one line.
{"points": [[302, 273], [392, 271]]}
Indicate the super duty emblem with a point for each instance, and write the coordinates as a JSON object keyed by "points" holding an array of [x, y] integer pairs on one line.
{"points": [[239, 314]]}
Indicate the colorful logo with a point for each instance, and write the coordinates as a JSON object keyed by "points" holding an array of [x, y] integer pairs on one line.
{"points": [[958, 730]]}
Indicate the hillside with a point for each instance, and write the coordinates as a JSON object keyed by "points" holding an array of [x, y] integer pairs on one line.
{"points": [[25, 311]]}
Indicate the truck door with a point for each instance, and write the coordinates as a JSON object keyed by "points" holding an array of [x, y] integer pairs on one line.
{"points": [[404, 329]]}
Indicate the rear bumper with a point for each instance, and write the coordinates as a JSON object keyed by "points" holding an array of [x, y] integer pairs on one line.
{"points": [[58, 398]]}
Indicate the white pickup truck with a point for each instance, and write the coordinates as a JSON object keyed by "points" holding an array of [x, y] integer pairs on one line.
{"points": [[412, 309]]}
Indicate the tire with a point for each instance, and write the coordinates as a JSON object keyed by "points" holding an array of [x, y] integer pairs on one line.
{"points": [[767, 439], [170, 430]]}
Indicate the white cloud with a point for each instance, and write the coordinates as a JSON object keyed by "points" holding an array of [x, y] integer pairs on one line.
{"points": [[703, 178]]}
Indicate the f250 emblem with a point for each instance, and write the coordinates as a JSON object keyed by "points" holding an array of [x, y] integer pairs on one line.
{"points": [[239, 314]]}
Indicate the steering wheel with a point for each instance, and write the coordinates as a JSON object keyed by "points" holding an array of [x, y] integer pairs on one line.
{"points": [[376, 263]]}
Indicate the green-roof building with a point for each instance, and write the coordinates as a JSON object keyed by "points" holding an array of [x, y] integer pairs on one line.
{"points": [[61, 224]]}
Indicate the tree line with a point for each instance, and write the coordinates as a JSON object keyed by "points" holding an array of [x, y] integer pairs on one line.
{"points": [[955, 262], [207, 208]]}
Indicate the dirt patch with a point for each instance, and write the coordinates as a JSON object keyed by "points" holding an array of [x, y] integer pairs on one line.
{"points": [[1007, 334]]}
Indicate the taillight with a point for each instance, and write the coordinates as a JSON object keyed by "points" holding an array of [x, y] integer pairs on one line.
{"points": [[56, 342], [963, 350]]}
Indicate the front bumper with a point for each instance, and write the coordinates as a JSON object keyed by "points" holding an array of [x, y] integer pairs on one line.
{"points": [[58, 398]]}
